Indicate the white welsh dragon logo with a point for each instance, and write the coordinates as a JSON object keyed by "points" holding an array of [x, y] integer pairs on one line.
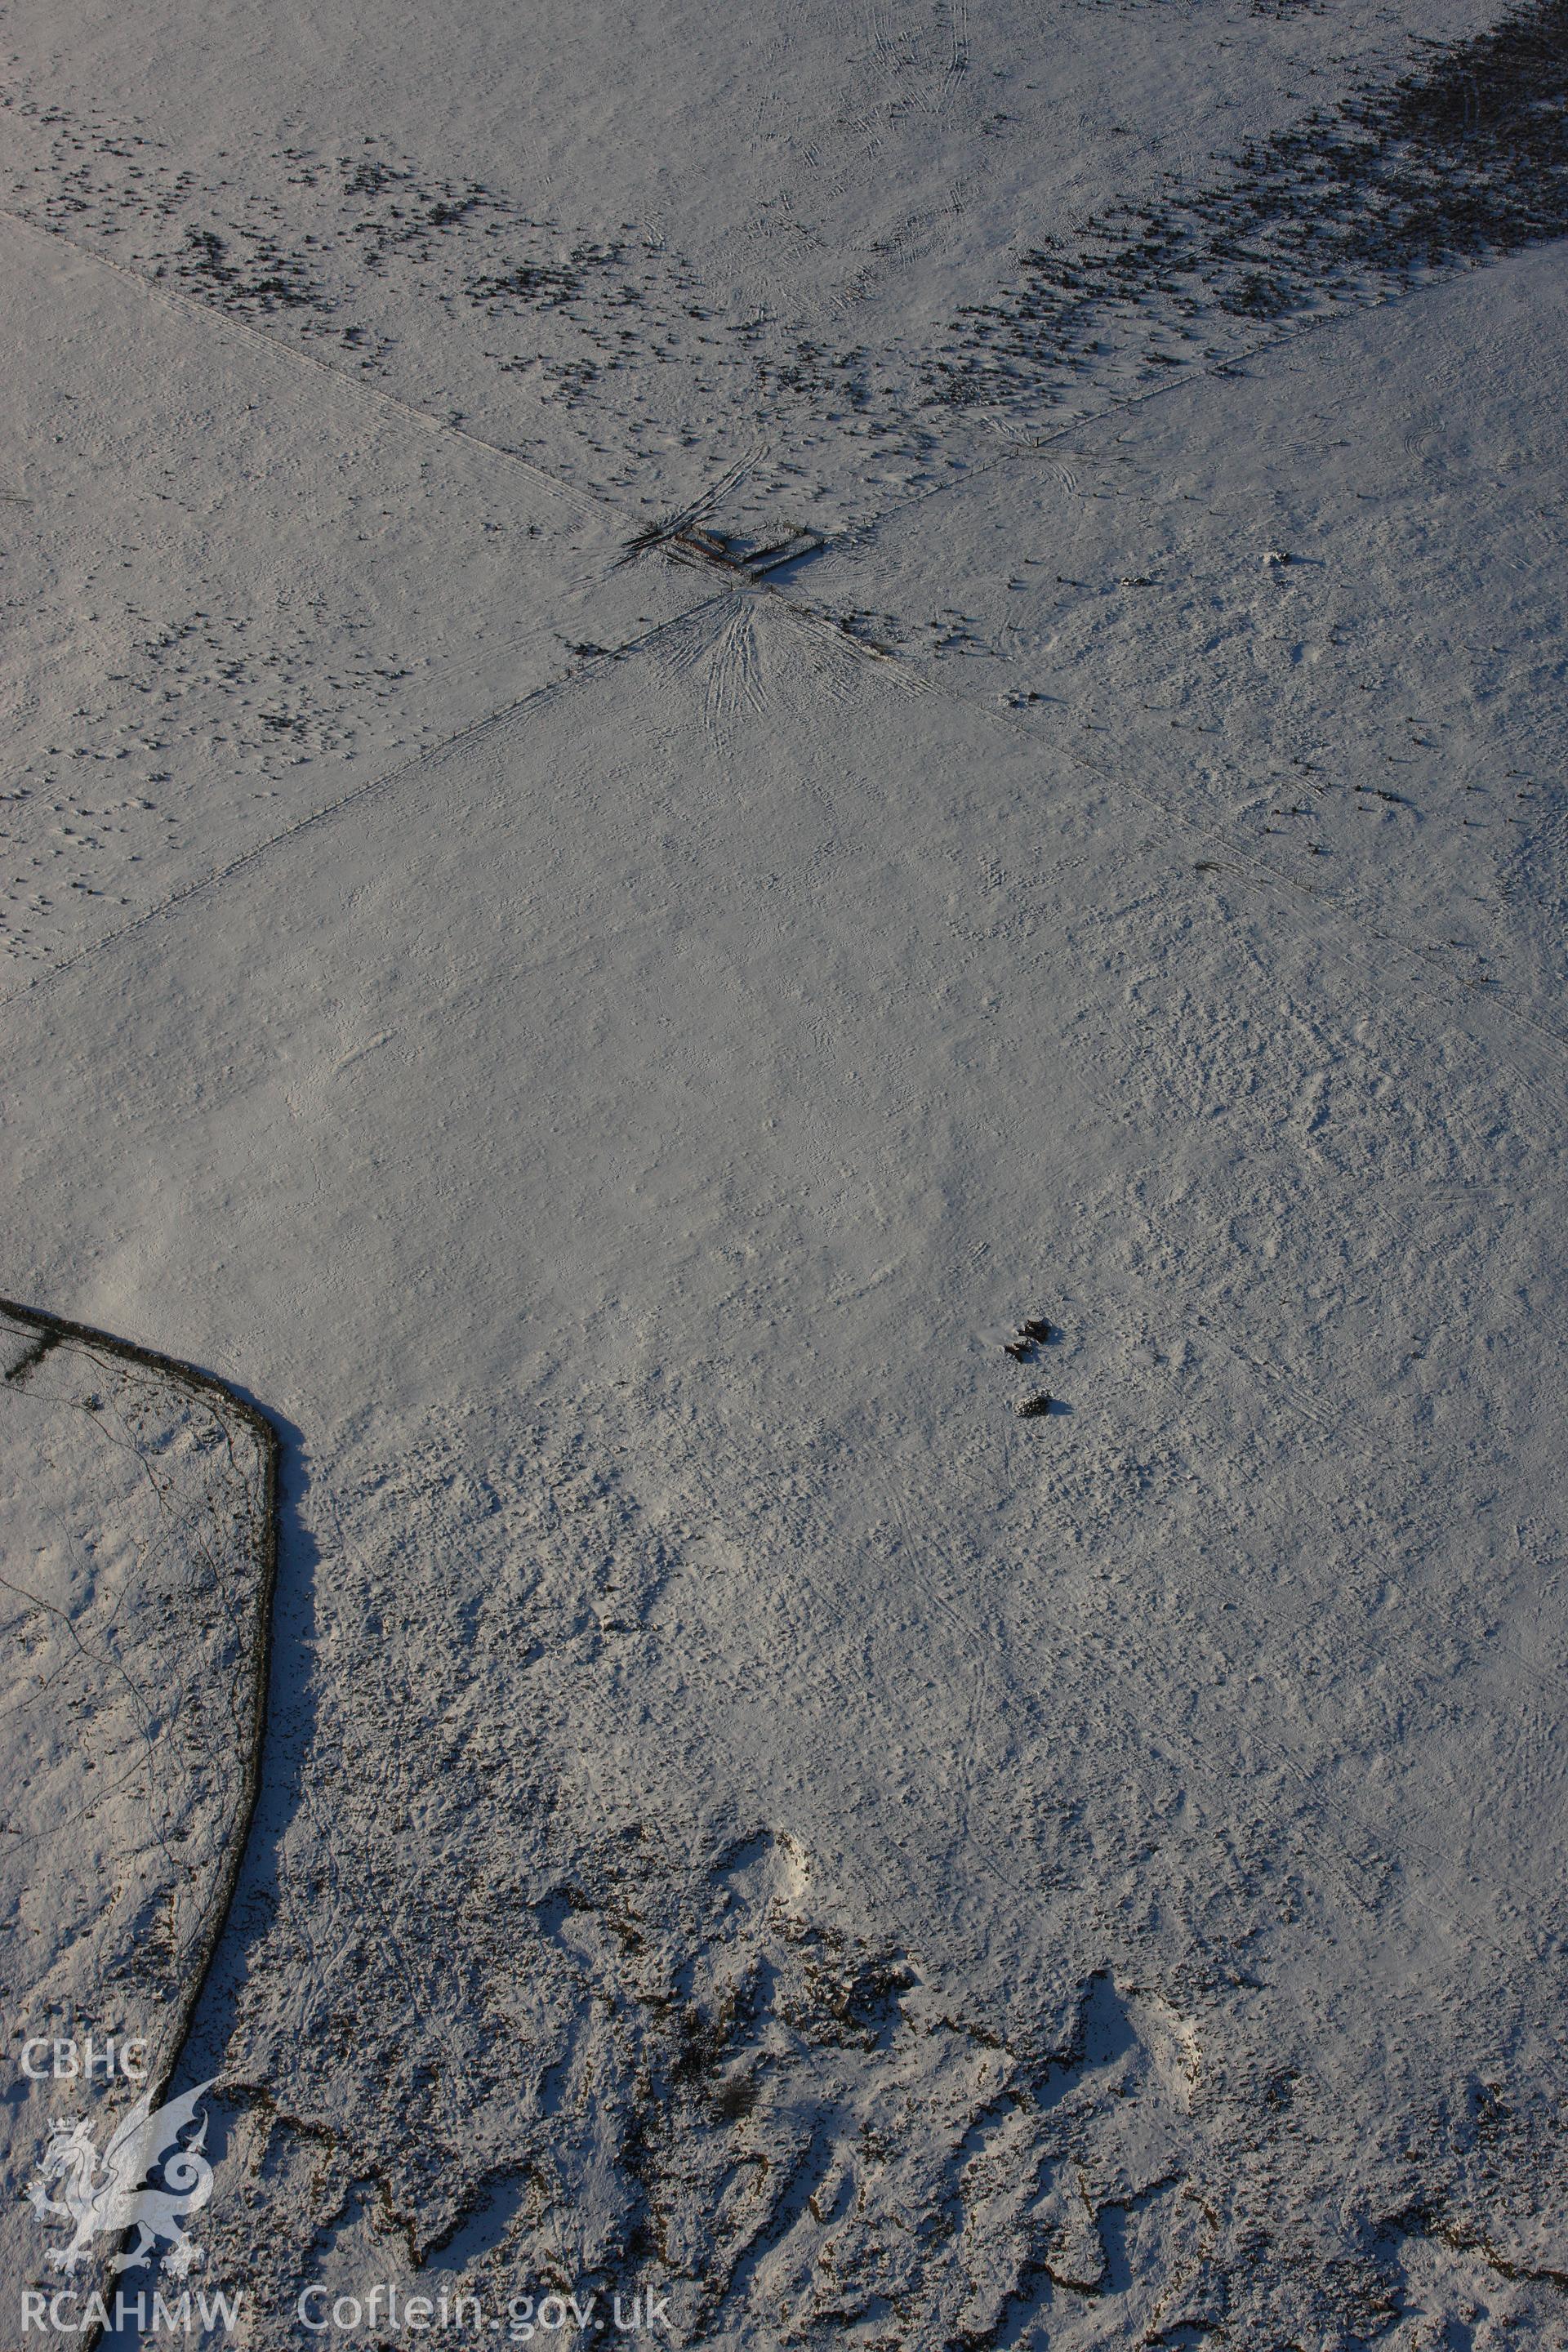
{"points": [[109, 2196]]}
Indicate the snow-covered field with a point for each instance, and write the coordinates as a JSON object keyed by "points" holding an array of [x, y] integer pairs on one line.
{"points": [[704, 708], [137, 1509]]}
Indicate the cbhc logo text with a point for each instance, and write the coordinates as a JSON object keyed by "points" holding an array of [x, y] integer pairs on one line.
{"points": [[73, 2061]]}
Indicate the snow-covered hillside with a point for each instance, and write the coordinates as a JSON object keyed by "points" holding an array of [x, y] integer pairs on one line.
{"points": [[707, 710]]}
